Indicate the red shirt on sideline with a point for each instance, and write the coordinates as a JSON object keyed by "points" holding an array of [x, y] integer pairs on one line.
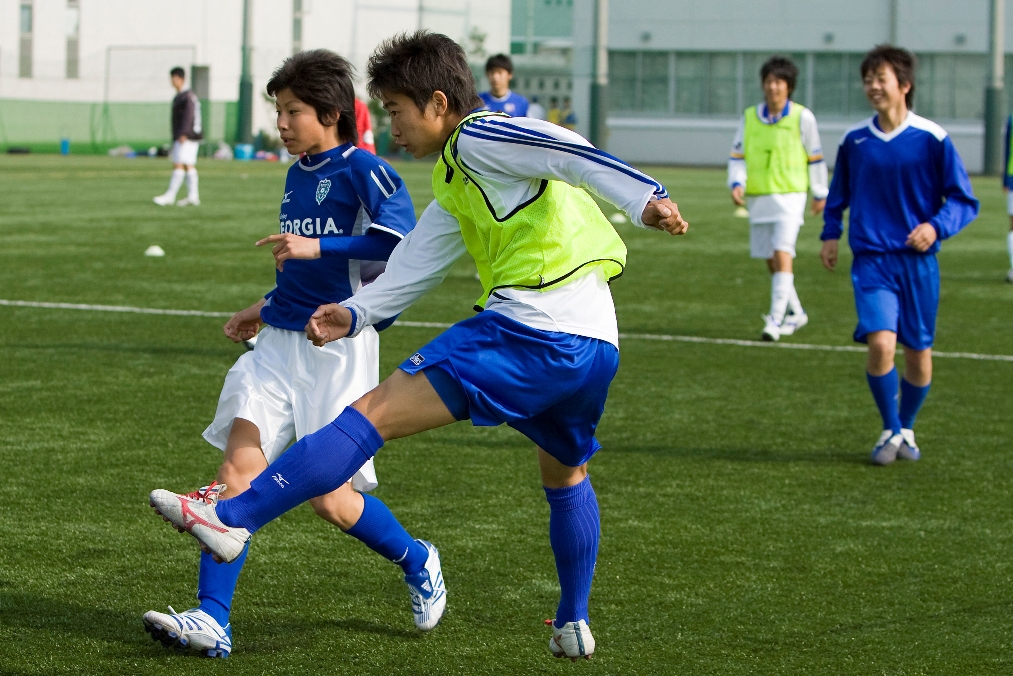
{"points": [[365, 127]]}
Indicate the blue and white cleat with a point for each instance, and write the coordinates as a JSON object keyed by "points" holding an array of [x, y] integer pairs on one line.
{"points": [[428, 593], [885, 451], [190, 630], [771, 329], [572, 640], [908, 449], [793, 323]]}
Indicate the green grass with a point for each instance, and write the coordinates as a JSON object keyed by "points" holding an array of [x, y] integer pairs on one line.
{"points": [[742, 530]]}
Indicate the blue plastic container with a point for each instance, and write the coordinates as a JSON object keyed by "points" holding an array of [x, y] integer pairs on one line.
{"points": [[65, 146], [243, 151]]}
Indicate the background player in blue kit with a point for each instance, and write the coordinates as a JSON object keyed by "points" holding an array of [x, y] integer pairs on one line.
{"points": [[343, 212], [499, 99], [907, 190], [1007, 186]]}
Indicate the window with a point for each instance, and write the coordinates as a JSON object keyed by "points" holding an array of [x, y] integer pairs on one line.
{"points": [[25, 50], [73, 39], [296, 26], [950, 86]]}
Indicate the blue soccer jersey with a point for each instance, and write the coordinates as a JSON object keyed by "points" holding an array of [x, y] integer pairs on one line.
{"points": [[512, 104], [894, 182], [340, 193]]}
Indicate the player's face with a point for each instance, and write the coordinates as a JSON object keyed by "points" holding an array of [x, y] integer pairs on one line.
{"points": [[499, 81], [299, 127], [420, 132], [775, 90], [177, 82], [883, 90]]}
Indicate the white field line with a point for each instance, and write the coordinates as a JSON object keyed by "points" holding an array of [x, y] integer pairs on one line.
{"points": [[440, 325]]}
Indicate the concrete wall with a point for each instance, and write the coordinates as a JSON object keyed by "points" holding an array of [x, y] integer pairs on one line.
{"points": [[706, 141]]}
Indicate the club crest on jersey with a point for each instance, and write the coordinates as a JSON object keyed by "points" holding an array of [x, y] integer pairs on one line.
{"points": [[416, 359], [323, 187]]}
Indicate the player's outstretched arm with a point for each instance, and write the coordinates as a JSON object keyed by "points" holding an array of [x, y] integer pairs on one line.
{"points": [[664, 215], [291, 246], [329, 323], [244, 324]]}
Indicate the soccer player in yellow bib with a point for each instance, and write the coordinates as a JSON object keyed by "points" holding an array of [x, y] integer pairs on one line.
{"points": [[776, 158]]}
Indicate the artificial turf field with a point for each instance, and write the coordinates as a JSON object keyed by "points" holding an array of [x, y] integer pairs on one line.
{"points": [[742, 529]]}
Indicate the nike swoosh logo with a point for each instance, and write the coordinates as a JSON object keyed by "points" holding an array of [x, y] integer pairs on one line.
{"points": [[859, 140]]}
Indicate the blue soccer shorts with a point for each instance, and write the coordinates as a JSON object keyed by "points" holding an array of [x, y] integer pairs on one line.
{"points": [[550, 387], [897, 292]]}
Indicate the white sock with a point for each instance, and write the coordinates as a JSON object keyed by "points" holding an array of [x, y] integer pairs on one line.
{"points": [[1009, 245], [191, 184], [794, 304], [781, 285], [175, 182]]}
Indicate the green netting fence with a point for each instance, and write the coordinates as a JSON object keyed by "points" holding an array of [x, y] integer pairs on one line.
{"points": [[97, 127]]}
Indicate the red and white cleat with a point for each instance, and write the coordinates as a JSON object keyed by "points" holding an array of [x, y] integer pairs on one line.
{"points": [[194, 513], [572, 640]]}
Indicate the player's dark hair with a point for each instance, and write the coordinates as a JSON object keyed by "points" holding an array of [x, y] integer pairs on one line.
{"points": [[781, 68], [178, 72], [499, 61], [322, 79], [418, 65], [900, 60]]}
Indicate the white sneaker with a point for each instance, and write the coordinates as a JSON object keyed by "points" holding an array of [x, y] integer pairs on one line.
{"points": [[194, 513], [771, 329], [908, 449], [163, 200], [250, 343], [193, 629], [428, 593], [1009, 276], [188, 201], [793, 323], [572, 640], [885, 451]]}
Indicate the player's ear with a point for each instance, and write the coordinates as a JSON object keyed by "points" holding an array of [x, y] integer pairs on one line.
{"points": [[440, 103], [330, 118]]}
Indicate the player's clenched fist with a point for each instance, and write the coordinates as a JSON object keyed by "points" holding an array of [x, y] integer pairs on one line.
{"points": [[664, 215], [291, 246], [329, 322], [244, 324]]}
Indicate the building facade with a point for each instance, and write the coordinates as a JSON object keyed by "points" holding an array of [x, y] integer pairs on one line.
{"points": [[96, 71]]}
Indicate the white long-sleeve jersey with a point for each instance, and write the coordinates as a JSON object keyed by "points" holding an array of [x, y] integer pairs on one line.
{"points": [[509, 158], [789, 207]]}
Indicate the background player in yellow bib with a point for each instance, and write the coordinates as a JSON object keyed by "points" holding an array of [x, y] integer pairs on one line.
{"points": [[776, 158]]}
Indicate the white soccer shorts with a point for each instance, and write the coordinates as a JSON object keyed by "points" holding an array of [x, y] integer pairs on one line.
{"points": [[766, 238], [184, 153], [1009, 202], [289, 388]]}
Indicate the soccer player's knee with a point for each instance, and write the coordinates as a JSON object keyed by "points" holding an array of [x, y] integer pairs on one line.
{"points": [[338, 507]]}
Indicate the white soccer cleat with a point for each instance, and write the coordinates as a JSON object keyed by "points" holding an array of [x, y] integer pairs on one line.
{"points": [[192, 629], [771, 329], [427, 591], [572, 640], [163, 200], [885, 451], [908, 449], [793, 323], [194, 513], [188, 201], [1009, 276]]}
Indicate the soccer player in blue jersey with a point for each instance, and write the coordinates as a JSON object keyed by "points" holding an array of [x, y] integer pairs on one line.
{"points": [[1007, 186], [343, 212], [499, 99], [907, 190], [541, 355]]}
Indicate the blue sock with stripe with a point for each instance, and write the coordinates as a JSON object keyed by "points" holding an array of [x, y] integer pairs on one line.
{"points": [[216, 585], [379, 530], [574, 530], [315, 465], [884, 391], [911, 399]]}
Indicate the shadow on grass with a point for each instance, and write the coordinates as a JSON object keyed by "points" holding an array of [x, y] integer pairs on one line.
{"points": [[833, 456], [158, 350]]}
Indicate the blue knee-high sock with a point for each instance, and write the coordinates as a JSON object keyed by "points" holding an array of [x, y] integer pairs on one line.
{"points": [[315, 465], [380, 531], [216, 584], [574, 530], [884, 391], [911, 399]]}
